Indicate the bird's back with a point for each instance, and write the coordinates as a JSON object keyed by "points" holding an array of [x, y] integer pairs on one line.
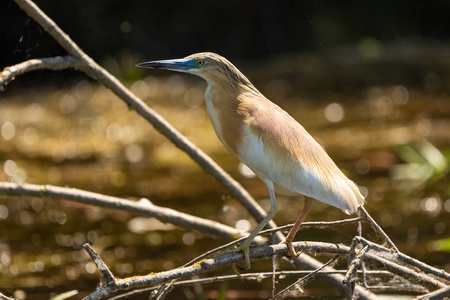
{"points": [[278, 148]]}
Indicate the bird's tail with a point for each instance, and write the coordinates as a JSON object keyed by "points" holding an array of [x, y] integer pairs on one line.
{"points": [[353, 197]]}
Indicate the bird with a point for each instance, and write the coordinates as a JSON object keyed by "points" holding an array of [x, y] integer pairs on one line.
{"points": [[268, 140]]}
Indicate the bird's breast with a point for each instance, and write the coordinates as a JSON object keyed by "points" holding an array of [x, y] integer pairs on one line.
{"points": [[227, 123]]}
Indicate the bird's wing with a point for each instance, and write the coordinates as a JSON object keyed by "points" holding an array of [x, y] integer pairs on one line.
{"points": [[290, 157]]}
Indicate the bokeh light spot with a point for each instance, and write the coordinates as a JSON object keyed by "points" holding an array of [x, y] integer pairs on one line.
{"points": [[400, 95], [134, 153], [90, 267], [334, 112], [8, 130], [243, 225], [4, 212], [10, 167], [189, 238], [126, 27]]}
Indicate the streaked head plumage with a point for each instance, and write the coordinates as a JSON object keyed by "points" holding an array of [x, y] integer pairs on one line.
{"points": [[207, 65]]}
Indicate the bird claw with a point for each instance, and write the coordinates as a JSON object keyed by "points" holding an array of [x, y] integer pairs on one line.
{"points": [[291, 253], [245, 249]]}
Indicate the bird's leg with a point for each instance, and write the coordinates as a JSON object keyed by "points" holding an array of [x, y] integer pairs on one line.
{"points": [[291, 253], [245, 246]]}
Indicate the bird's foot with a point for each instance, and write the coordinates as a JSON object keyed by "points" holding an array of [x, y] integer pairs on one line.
{"points": [[245, 248], [291, 253]]}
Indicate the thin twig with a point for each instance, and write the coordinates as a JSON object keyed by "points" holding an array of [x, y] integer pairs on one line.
{"points": [[378, 229], [364, 272], [271, 231], [165, 290], [436, 295], [101, 266], [248, 276], [51, 63], [320, 225], [274, 269], [354, 263], [407, 259], [399, 289], [348, 276], [302, 281]]}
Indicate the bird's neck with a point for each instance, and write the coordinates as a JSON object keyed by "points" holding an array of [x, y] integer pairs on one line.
{"points": [[224, 104]]}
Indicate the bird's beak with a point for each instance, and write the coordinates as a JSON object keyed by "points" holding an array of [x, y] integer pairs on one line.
{"points": [[171, 64]]}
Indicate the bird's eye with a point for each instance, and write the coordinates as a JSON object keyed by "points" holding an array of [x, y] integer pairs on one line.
{"points": [[200, 62]]}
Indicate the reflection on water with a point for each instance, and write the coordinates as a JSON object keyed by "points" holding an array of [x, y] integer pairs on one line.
{"points": [[392, 141]]}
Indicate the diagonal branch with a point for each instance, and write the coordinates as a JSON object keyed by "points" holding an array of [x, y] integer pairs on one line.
{"points": [[378, 229], [302, 281], [91, 68]]}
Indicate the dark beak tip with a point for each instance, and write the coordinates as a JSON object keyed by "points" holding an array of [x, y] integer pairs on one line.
{"points": [[148, 65]]}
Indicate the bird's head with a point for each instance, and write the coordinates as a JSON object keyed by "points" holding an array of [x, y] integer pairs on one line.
{"points": [[207, 65]]}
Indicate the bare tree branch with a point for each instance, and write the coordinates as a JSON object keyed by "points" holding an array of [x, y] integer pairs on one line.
{"points": [[143, 207], [51, 63], [205, 265]]}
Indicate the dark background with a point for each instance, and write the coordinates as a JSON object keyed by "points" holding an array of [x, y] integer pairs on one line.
{"points": [[243, 31]]}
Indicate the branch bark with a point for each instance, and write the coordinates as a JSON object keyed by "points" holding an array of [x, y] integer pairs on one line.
{"points": [[51, 63], [205, 265], [143, 207]]}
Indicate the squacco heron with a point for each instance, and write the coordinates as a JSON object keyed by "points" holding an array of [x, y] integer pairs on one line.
{"points": [[268, 140]]}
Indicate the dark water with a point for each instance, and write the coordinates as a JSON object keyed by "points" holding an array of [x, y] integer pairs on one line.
{"points": [[393, 141]]}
